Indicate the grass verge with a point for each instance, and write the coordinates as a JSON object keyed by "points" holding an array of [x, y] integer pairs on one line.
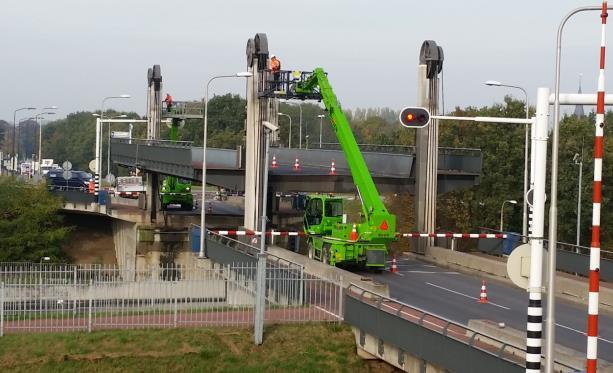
{"points": [[286, 348]]}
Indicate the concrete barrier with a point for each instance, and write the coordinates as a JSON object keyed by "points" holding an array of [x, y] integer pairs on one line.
{"points": [[570, 288], [517, 338]]}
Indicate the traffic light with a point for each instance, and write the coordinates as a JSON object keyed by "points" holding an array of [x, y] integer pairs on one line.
{"points": [[414, 117]]}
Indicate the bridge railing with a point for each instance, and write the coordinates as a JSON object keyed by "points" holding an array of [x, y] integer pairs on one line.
{"points": [[383, 317], [149, 142], [391, 148]]}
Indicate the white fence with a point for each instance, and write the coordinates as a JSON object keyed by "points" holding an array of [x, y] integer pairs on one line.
{"points": [[36, 298]]}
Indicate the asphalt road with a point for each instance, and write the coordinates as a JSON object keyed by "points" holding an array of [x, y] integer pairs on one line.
{"points": [[455, 295]]}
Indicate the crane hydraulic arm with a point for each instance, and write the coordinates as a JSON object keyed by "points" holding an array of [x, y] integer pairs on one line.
{"points": [[371, 200]]}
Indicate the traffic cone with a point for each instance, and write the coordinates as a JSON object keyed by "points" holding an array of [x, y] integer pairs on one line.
{"points": [[394, 268], [297, 165], [274, 162], [353, 236], [332, 168], [483, 295]]}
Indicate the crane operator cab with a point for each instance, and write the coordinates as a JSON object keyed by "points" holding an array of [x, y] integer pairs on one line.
{"points": [[322, 213]]}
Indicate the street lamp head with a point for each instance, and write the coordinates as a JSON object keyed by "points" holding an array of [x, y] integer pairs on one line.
{"points": [[575, 157], [30, 108], [53, 107], [95, 114], [125, 96], [279, 113], [46, 258], [320, 116], [244, 74], [122, 116], [512, 201], [493, 83]]}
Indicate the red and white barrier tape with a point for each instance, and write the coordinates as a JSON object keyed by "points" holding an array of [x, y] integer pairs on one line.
{"points": [[406, 235]]}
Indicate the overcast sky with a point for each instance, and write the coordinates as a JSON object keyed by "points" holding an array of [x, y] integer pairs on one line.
{"points": [[72, 53]]}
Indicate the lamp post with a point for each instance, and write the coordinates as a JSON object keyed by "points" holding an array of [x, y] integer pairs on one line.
{"points": [[109, 140], [203, 201], [321, 121], [524, 230], [299, 126], [14, 165], [578, 160], [102, 123], [289, 138], [19, 122], [511, 201], [40, 133]]}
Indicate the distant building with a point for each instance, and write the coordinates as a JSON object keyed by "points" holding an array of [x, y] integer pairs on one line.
{"points": [[579, 108]]}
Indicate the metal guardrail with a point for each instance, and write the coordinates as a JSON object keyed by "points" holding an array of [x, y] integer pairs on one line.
{"points": [[148, 142], [426, 335], [392, 148]]}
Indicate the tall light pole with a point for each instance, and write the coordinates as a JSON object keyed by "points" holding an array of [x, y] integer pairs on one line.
{"points": [[553, 205], [511, 201], [289, 140], [40, 133], [203, 200], [578, 160], [14, 165], [300, 125], [321, 121], [108, 159], [524, 230], [102, 124]]}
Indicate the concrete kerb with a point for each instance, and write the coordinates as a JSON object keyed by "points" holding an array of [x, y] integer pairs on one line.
{"points": [[517, 338], [567, 288]]}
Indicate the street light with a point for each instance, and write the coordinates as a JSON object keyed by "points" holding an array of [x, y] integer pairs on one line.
{"points": [[289, 139], [14, 165], [300, 125], [524, 230], [245, 74], [578, 160], [511, 201], [321, 121], [102, 123], [40, 133]]}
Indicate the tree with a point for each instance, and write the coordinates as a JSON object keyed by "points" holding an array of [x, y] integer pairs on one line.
{"points": [[30, 226]]}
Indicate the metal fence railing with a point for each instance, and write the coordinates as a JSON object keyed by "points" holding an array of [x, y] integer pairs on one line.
{"points": [[46, 297]]}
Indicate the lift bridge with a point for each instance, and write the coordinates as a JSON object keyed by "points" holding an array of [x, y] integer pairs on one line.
{"points": [[392, 172]]}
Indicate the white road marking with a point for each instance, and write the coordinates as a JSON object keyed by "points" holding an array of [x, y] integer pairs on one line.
{"points": [[465, 295], [428, 265], [580, 332]]}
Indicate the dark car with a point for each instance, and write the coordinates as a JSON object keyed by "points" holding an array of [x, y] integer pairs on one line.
{"points": [[79, 180]]}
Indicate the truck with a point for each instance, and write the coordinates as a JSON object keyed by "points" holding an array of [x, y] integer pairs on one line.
{"points": [[46, 165], [176, 191], [129, 186], [330, 237]]}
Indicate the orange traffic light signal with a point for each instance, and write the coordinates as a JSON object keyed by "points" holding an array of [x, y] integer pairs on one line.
{"points": [[414, 117]]}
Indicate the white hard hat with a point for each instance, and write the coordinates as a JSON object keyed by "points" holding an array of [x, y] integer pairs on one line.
{"points": [[273, 56]]}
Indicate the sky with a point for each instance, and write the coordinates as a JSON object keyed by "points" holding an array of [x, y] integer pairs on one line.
{"points": [[73, 53]]}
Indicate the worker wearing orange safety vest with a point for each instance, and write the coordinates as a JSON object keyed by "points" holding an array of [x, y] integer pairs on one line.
{"points": [[275, 68]]}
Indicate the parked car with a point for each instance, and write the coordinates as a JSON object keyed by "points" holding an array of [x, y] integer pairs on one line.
{"points": [[79, 180]]}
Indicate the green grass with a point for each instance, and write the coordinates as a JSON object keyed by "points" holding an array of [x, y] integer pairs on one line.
{"points": [[286, 348]]}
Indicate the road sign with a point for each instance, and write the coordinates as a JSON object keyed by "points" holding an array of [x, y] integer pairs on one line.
{"points": [[110, 178], [92, 165], [67, 166], [414, 117], [67, 174], [518, 265]]}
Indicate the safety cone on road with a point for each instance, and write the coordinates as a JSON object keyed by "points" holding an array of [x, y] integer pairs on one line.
{"points": [[297, 165], [394, 268], [332, 168], [274, 162], [353, 236], [483, 295]]}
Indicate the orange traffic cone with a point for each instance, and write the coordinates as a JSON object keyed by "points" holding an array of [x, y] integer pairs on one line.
{"points": [[353, 236], [483, 295], [332, 168], [274, 162], [297, 165], [394, 268]]}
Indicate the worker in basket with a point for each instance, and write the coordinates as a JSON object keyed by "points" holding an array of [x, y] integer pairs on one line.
{"points": [[275, 68], [168, 101]]}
